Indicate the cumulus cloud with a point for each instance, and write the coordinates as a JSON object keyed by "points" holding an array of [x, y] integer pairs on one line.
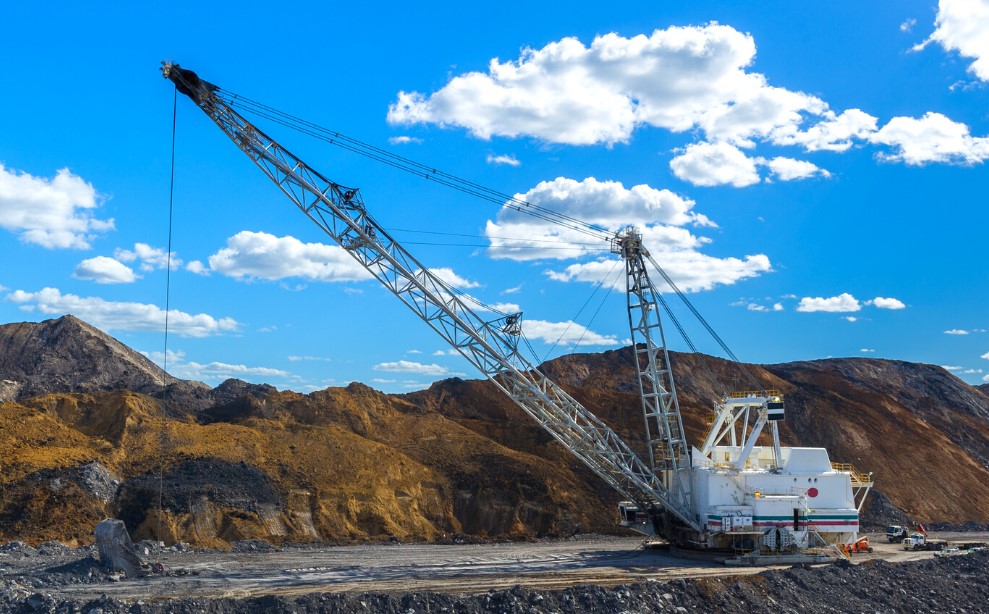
{"points": [[788, 169], [504, 159], [55, 213], [566, 333], [680, 78], [407, 366], [197, 267], [851, 318], [963, 26], [886, 303], [259, 255], [711, 164], [111, 315], [452, 279], [932, 138], [104, 270], [151, 258], [834, 133], [843, 303], [691, 271], [659, 214], [956, 331], [986, 356], [908, 25]]}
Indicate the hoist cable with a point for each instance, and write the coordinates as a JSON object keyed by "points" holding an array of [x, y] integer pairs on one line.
{"points": [[168, 294], [581, 310], [704, 323]]}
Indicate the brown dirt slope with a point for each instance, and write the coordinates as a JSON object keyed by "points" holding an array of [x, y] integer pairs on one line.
{"points": [[244, 461], [340, 464], [922, 432]]}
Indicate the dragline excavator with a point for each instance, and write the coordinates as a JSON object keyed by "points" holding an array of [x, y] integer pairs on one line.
{"points": [[728, 494]]}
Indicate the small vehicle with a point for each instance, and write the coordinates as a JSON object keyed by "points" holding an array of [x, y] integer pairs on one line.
{"points": [[920, 541], [860, 545]]}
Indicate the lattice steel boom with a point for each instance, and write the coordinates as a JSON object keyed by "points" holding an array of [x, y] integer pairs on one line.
{"points": [[491, 346]]}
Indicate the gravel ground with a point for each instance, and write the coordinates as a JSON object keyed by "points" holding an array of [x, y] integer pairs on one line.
{"points": [[37, 580]]}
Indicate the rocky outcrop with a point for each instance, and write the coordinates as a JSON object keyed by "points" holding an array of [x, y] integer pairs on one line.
{"points": [[69, 355]]}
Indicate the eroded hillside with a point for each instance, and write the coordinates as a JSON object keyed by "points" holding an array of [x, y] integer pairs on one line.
{"points": [[459, 459]]}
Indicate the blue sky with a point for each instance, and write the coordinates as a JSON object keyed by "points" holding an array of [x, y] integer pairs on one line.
{"points": [[814, 176]]}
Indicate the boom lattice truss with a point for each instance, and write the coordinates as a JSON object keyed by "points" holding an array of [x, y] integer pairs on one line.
{"points": [[490, 345]]}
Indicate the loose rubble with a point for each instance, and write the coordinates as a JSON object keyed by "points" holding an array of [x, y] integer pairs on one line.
{"points": [[30, 579]]}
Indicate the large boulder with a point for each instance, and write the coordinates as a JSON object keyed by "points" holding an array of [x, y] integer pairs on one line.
{"points": [[117, 549]]}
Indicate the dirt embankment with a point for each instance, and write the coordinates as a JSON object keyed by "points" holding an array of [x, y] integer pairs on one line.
{"points": [[244, 461]]}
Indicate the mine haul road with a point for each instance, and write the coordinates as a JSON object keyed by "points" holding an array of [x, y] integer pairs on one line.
{"points": [[402, 568]]}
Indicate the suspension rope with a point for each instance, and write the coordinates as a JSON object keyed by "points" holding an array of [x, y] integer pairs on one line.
{"points": [[700, 318], [162, 436], [417, 168], [611, 287], [480, 191]]}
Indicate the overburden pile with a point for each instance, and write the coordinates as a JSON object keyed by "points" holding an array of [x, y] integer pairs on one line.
{"points": [[84, 435]]}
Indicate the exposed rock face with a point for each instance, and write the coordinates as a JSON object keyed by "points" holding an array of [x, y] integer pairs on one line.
{"points": [[984, 388]]}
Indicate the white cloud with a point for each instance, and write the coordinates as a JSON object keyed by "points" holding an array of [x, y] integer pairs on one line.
{"points": [[956, 331], [503, 159], [566, 333], [788, 169], [842, 303], [908, 25], [309, 358], [932, 138], [178, 367], [691, 271], [52, 213], [679, 78], [222, 370], [711, 164], [513, 290], [151, 257], [763, 308], [450, 352], [886, 303], [866, 350], [452, 279], [985, 378], [851, 318], [259, 255], [971, 371], [963, 26], [414, 352], [403, 140], [986, 356], [104, 270], [835, 133], [197, 267], [950, 368], [407, 366], [111, 315], [608, 204]]}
